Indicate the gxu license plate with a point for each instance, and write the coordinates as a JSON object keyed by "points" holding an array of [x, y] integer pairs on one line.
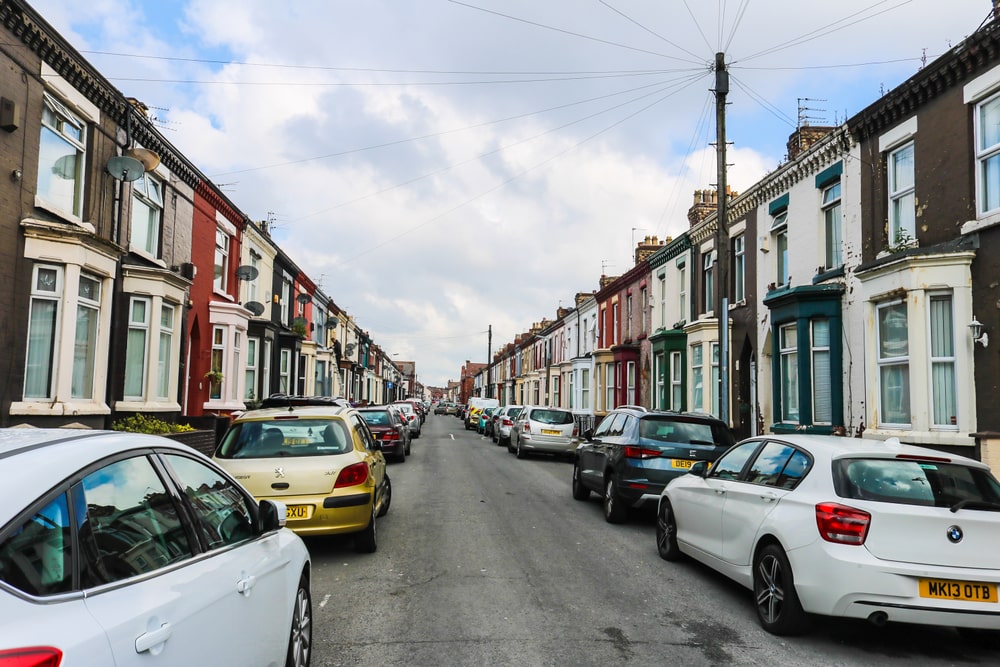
{"points": [[298, 511], [966, 591]]}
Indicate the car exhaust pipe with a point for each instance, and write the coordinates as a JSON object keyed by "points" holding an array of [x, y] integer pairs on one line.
{"points": [[878, 619]]}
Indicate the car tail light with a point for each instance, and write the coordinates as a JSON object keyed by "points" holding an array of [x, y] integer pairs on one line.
{"points": [[576, 431], [31, 656], [352, 475], [507, 422], [842, 524], [633, 452], [391, 435]]}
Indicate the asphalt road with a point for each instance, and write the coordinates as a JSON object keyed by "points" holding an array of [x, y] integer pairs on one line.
{"points": [[484, 559]]}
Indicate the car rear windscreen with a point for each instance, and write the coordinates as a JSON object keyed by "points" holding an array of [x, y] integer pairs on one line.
{"points": [[916, 482], [294, 437]]}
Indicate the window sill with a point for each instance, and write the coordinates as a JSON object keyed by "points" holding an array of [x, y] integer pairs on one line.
{"points": [[143, 406], [979, 224], [219, 404], [828, 274], [923, 438], [57, 409], [63, 215]]}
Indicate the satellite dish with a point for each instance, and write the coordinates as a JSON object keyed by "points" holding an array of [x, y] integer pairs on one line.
{"points": [[124, 168], [331, 321], [255, 307], [148, 158], [349, 350], [304, 298], [246, 272]]}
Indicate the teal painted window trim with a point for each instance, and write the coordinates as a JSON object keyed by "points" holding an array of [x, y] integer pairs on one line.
{"points": [[778, 205], [801, 305], [829, 175], [827, 275]]}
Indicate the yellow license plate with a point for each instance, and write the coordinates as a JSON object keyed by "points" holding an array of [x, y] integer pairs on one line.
{"points": [[966, 591], [551, 431], [681, 463], [298, 511]]}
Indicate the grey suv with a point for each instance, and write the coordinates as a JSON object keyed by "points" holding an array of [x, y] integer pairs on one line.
{"points": [[634, 452]]}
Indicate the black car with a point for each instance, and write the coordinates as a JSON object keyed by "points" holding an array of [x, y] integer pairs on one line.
{"points": [[634, 452]]}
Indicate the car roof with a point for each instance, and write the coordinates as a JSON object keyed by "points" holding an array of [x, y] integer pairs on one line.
{"points": [[831, 447], [51, 455]]}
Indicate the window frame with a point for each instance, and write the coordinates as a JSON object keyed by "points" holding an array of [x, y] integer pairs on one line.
{"points": [[902, 229], [833, 225]]}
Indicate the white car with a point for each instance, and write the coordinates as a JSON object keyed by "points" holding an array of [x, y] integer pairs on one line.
{"points": [[845, 527], [127, 549]]}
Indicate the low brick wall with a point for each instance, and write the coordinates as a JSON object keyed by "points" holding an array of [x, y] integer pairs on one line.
{"points": [[203, 441]]}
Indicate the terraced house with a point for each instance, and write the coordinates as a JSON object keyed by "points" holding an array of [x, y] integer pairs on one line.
{"points": [[877, 325], [129, 288]]}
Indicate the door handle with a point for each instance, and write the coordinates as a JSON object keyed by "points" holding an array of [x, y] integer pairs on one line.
{"points": [[244, 585], [150, 640], [768, 497]]}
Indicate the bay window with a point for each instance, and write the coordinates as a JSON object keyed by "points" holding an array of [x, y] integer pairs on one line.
{"points": [[43, 318], [892, 357], [944, 409], [788, 351]]}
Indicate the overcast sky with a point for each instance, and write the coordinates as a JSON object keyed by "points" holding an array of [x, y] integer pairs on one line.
{"points": [[443, 166]]}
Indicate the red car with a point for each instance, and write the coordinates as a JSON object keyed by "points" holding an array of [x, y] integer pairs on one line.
{"points": [[388, 428]]}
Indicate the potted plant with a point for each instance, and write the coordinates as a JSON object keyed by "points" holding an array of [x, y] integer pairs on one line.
{"points": [[214, 377]]}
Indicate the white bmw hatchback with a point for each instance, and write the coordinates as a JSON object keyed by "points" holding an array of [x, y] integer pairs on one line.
{"points": [[126, 549], [843, 527]]}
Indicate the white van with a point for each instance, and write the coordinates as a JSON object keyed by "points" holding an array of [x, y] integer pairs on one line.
{"points": [[476, 405]]}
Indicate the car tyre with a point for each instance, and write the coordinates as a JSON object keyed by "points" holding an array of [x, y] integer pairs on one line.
{"points": [[666, 533], [778, 608], [366, 541], [300, 636], [580, 492], [408, 445], [386, 497], [520, 452], [615, 511], [510, 445]]}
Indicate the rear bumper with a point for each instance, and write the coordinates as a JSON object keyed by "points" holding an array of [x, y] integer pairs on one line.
{"points": [[851, 582]]}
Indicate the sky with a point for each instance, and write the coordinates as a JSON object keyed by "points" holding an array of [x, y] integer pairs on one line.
{"points": [[448, 168]]}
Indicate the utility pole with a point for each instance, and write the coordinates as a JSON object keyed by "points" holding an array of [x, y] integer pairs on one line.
{"points": [[489, 360], [722, 235]]}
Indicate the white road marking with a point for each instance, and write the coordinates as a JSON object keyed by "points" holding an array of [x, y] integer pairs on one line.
{"points": [[326, 598], [452, 435]]}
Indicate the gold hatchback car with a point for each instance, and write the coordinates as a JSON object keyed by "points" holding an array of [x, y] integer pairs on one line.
{"points": [[318, 457]]}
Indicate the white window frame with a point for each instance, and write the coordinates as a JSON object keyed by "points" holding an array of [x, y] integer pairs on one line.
{"points": [[779, 230], [609, 386], [817, 351], [223, 245], [938, 400], [285, 371], [659, 371], [697, 377], [147, 215], [58, 120], [676, 381], [218, 362], [682, 291], [164, 367], [85, 351], [585, 389], [663, 300], [708, 280], [891, 361], [739, 268], [43, 292], [833, 226], [788, 377], [988, 156], [138, 331], [901, 182]]}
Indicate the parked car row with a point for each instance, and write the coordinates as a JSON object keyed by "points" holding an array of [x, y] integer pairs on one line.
{"points": [[813, 525]]}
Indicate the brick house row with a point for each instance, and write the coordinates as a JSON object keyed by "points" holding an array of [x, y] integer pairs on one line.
{"points": [[133, 284], [860, 275]]}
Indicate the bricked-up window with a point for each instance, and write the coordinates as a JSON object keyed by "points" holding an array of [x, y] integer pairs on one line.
{"points": [[61, 156], [147, 214], [46, 301], [902, 198]]}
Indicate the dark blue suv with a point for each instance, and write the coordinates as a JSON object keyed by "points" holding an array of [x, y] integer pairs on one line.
{"points": [[634, 452]]}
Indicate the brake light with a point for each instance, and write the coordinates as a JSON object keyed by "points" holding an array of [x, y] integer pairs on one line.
{"points": [[352, 475], [527, 427], [633, 452], [390, 435], [841, 524], [576, 431], [507, 422], [921, 457], [31, 656]]}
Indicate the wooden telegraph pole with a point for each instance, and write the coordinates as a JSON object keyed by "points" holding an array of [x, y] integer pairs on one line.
{"points": [[722, 236]]}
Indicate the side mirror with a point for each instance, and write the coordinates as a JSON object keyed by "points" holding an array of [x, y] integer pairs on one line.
{"points": [[699, 468], [272, 515]]}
